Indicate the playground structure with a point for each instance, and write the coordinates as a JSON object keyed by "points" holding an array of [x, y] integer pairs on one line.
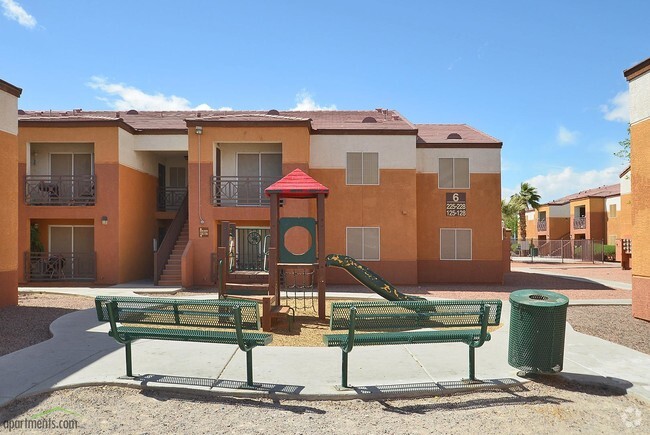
{"points": [[296, 268]]}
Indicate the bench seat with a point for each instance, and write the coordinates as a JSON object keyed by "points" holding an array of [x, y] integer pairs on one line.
{"points": [[224, 337], [197, 320], [411, 322], [412, 337]]}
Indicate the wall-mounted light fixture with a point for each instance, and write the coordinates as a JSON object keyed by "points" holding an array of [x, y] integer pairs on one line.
{"points": [[199, 130], [104, 220]]}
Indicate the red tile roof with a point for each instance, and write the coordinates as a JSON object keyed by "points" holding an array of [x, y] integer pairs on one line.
{"points": [[296, 184], [345, 120], [598, 192], [438, 134]]}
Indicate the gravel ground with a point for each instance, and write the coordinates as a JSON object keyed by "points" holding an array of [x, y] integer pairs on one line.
{"points": [[549, 407], [29, 321], [612, 323]]}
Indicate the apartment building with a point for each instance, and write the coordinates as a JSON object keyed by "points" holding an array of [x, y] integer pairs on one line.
{"points": [[9, 95], [638, 78], [111, 197], [596, 214]]}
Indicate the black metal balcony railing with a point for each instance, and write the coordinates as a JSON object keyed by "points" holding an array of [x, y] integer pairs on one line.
{"points": [[60, 266], [170, 198], [60, 190], [580, 223], [541, 225], [229, 191]]}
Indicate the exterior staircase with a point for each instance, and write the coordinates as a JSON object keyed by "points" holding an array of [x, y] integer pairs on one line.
{"points": [[171, 274]]}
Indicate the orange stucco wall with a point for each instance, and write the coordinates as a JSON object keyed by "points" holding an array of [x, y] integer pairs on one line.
{"points": [[295, 153], [483, 217], [625, 218], [640, 137], [137, 223], [391, 206], [9, 218], [596, 226]]}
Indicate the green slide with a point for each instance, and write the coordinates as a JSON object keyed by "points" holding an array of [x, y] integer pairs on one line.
{"points": [[368, 278]]}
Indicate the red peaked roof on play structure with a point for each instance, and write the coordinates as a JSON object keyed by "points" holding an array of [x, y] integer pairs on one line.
{"points": [[296, 184]]}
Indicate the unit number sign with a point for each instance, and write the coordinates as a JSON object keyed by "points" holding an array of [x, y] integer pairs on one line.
{"points": [[456, 204]]}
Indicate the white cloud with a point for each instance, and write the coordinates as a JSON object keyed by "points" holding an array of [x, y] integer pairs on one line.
{"points": [[123, 97], [14, 11], [566, 136], [617, 109], [557, 184], [305, 102]]}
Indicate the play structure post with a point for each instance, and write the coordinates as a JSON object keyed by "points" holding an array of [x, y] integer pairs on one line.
{"points": [[274, 277], [320, 217]]}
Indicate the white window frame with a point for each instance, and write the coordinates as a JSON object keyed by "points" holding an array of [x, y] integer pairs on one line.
{"points": [[362, 169], [259, 159], [471, 244], [453, 173], [362, 244]]}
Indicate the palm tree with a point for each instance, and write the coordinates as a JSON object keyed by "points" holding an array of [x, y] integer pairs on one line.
{"points": [[527, 197]]}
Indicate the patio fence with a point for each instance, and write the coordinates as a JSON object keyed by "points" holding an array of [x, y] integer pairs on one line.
{"points": [[585, 250]]}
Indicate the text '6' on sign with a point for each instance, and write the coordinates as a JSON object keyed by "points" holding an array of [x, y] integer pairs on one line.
{"points": [[456, 205]]}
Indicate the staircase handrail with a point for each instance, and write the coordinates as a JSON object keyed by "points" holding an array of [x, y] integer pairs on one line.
{"points": [[166, 247]]}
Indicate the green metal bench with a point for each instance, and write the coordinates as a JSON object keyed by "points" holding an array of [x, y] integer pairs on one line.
{"points": [[411, 322], [206, 321]]}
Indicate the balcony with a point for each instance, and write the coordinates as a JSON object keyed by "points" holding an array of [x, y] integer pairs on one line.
{"points": [[541, 226], [171, 198], [70, 190], [579, 223], [60, 266], [230, 191]]}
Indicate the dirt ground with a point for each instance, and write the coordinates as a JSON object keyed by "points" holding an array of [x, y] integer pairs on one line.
{"points": [[547, 406]]}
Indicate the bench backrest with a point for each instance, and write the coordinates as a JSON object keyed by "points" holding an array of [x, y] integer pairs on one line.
{"points": [[386, 315], [212, 313]]}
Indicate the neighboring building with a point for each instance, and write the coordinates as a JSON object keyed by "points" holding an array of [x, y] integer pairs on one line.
{"points": [[591, 214], [9, 95], [416, 203], [639, 83]]}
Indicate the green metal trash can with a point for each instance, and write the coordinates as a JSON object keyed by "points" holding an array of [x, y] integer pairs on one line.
{"points": [[537, 329]]}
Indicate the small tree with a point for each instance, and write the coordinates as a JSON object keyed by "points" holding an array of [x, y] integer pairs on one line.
{"points": [[625, 151], [525, 198], [509, 215]]}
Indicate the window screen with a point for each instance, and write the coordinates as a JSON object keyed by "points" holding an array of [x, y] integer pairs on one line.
{"points": [[453, 173], [362, 168], [363, 243], [455, 244]]}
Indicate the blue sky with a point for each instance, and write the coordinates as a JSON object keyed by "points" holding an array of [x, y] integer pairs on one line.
{"points": [[546, 78]]}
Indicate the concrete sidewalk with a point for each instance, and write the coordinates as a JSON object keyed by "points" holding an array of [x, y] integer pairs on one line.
{"points": [[81, 354]]}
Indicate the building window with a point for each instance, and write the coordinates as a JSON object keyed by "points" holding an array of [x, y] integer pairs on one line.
{"points": [[612, 210], [455, 244], [362, 168], [177, 177], [453, 173], [362, 243]]}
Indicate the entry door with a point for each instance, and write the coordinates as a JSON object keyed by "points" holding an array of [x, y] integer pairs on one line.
{"points": [[75, 244], [250, 169], [72, 164]]}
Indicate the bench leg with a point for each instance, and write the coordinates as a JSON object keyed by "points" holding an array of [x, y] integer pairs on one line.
{"points": [[344, 371], [472, 376], [249, 368], [129, 368]]}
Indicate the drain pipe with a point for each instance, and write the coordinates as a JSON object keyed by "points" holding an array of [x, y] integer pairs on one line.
{"points": [[199, 132]]}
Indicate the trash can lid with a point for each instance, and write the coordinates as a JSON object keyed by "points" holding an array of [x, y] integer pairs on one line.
{"points": [[538, 298]]}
